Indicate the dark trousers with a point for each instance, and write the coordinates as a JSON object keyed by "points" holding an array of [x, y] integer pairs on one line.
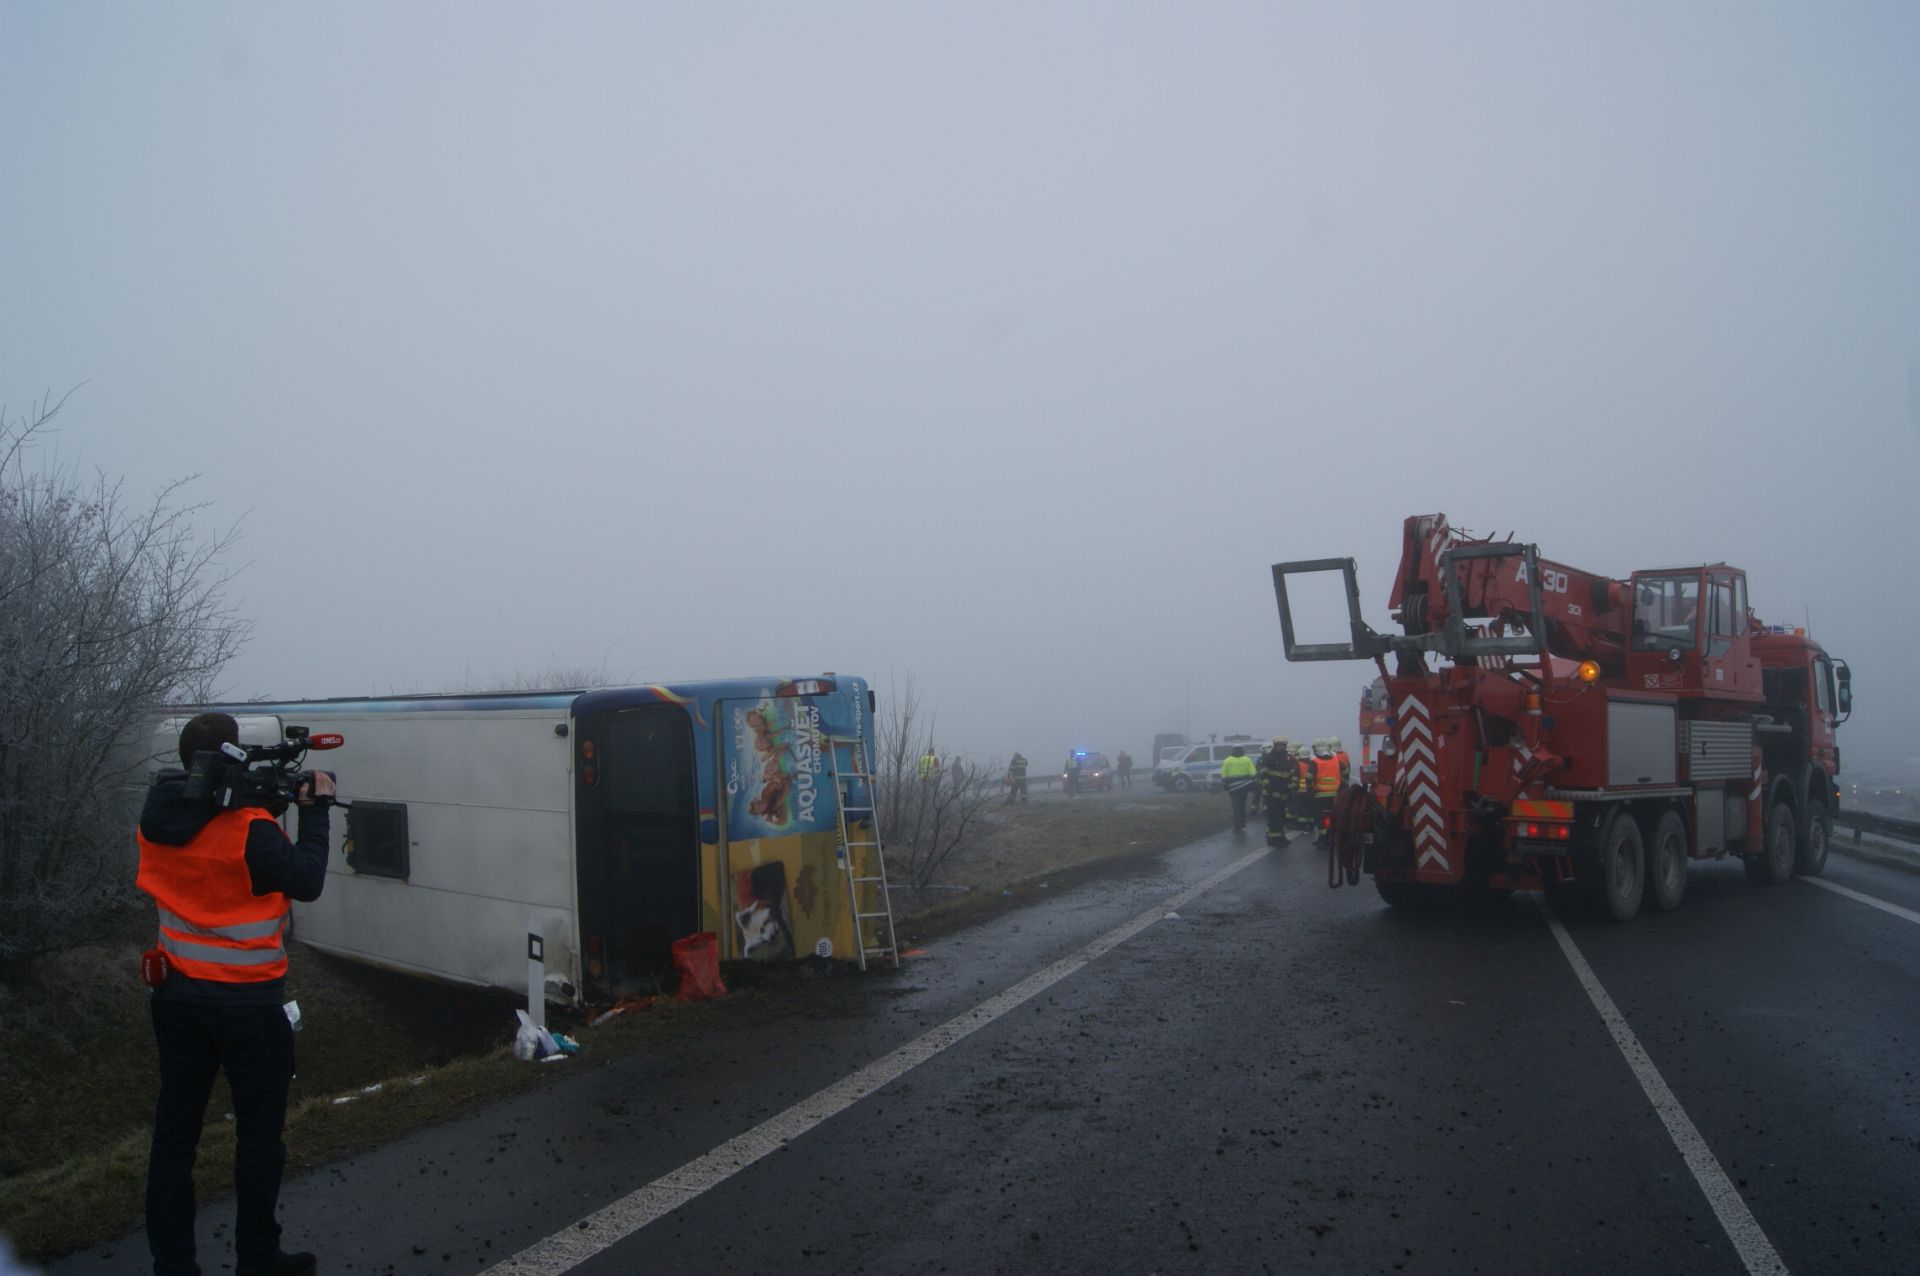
{"points": [[1017, 788], [1276, 820], [1126, 778], [1239, 799], [254, 1045]]}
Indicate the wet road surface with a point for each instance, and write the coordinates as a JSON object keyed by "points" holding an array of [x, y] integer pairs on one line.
{"points": [[1277, 1077]]}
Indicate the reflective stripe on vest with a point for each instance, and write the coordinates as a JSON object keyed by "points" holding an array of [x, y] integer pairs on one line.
{"points": [[211, 923], [222, 956], [250, 930]]}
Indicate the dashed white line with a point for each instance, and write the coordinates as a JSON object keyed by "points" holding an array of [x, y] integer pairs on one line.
{"points": [[1749, 1241], [579, 1241], [1864, 898]]}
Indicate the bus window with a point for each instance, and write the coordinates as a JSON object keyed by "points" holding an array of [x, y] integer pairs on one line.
{"points": [[637, 844]]}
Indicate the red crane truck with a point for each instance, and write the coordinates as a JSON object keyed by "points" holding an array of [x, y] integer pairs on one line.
{"points": [[1551, 729]]}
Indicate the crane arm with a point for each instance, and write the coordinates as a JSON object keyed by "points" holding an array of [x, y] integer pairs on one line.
{"points": [[1583, 616]]}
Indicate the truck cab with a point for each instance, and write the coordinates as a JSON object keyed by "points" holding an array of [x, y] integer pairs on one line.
{"points": [[1691, 632], [1808, 695]]}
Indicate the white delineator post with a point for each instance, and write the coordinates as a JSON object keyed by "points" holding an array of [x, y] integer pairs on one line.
{"points": [[536, 974]]}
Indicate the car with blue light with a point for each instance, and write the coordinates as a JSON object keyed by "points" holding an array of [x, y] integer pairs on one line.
{"points": [[1095, 771]]}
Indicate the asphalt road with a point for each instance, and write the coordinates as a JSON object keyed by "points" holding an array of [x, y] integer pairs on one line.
{"points": [[1276, 1077]]}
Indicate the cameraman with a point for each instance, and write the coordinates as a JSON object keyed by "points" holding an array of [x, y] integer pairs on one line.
{"points": [[222, 880]]}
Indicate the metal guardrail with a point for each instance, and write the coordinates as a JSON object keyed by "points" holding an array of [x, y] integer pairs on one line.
{"points": [[1885, 825]]}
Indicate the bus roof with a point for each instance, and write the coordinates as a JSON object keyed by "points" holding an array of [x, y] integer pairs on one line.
{"points": [[577, 699]]}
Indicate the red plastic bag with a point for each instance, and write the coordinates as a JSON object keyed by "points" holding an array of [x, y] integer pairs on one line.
{"points": [[697, 958]]}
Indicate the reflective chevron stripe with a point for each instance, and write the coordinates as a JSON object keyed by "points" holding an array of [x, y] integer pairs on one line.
{"points": [[1420, 782]]}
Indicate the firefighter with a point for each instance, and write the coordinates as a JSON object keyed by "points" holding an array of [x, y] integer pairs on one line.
{"points": [[1302, 804], [1017, 779], [1326, 782], [1236, 772], [221, 880], [1346, 763], [1279, 781]]}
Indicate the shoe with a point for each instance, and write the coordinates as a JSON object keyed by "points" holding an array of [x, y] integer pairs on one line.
{"points": [[281, 1265]]}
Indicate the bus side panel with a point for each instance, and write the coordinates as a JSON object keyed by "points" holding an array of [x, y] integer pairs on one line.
{"points": [[782, 891], [490, 833]]}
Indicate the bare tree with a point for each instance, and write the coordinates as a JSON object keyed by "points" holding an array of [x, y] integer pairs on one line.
{"points": [[925, 820], [107, 611]]}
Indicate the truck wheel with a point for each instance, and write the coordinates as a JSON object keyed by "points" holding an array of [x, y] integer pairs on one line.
{"points": [[1667, 862], [1774, 864], [1623, 871], [1813, 847]]}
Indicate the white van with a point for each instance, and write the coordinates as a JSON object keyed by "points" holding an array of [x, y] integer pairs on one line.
{"points": [[1198, 766]]}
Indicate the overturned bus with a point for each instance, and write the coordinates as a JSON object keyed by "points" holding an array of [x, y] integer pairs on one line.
{"points": [[609, 822]]}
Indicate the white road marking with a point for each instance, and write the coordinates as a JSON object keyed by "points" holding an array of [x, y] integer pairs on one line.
{"points": [[1749, 1241], [1866, 899], [606, 1227]]}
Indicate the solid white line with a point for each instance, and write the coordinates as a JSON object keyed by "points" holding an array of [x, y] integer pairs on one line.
{"points": [[1869, 900], [1749, 1241], [580, 1241]]}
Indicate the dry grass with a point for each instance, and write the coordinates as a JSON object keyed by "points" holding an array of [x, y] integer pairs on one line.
{"points": [[77, 1078]]}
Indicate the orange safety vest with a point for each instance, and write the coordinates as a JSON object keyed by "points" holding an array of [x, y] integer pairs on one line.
{"points": [[1326, 777], [1346, 765], [212, 925]]}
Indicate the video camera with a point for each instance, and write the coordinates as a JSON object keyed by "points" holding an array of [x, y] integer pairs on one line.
{"points": [[267, 775]]}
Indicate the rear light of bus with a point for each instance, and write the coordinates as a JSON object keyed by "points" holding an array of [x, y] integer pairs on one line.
{"points": [[588, 772], [594, 948]]}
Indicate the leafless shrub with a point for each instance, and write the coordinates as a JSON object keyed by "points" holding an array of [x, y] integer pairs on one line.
{"points": [[107, 611], [924, 822]]}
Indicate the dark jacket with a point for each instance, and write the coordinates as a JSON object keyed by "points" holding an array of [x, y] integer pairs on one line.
{"points": [[295, 869], [1279, 777]]}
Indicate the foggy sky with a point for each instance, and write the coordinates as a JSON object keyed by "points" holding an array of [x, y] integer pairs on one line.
{"points": [[1002, 347]]}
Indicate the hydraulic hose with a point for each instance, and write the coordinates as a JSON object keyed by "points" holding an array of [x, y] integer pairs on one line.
{"points": [[1347, 835]]}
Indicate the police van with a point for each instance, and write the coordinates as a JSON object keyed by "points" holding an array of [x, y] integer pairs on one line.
{"points": [[1198, 766]]}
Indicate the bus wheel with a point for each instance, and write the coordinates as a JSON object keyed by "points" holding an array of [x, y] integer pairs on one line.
{"points": [[1623, 871], [1667, 862], [1774, 864], [1813, 847]]}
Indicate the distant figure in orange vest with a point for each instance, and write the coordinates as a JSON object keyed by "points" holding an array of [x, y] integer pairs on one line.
{"points": [[221, 880], [1328, 777]]}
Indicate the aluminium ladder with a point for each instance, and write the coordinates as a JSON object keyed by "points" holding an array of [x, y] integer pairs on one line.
{"points": [[877, 906]]}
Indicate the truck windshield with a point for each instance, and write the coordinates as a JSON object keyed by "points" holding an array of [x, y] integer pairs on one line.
{"points": [[1666, 612]]}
